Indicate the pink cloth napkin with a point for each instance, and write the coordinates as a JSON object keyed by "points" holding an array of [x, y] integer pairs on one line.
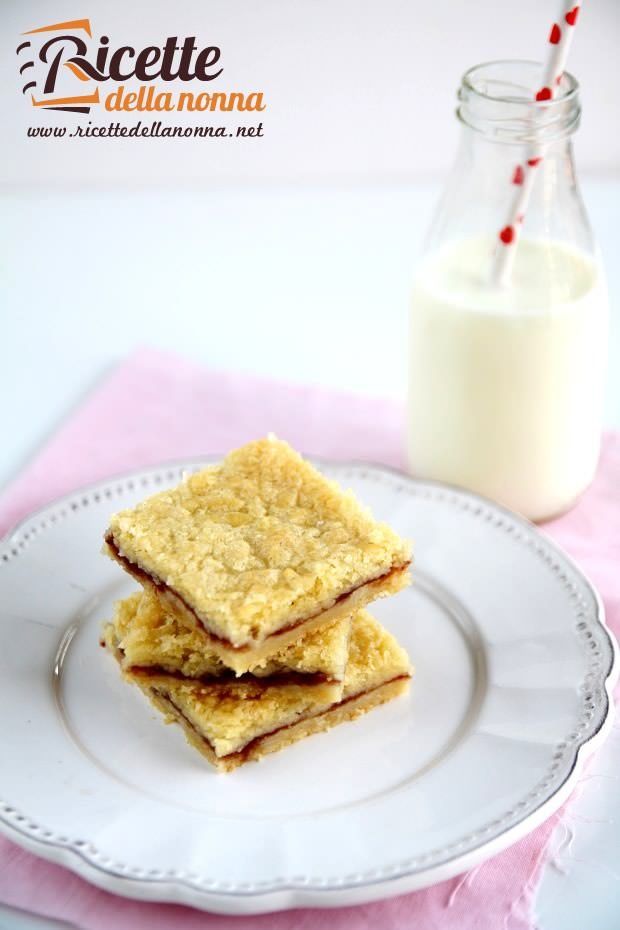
{"points": [[158, 407]]}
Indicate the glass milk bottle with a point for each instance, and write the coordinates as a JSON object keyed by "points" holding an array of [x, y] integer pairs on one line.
{"points": [[506, 382]]}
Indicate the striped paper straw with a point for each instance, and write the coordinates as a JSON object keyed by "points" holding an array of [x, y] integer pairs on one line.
{"points": [[523, 176]]}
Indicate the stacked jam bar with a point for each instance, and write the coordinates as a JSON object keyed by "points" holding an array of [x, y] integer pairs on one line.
{"points": [[250, 629]]}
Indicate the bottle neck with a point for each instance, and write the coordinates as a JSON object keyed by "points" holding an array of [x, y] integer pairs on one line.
{"points": [[497, 101], [503, 129], [484, 182], [485, 153]]}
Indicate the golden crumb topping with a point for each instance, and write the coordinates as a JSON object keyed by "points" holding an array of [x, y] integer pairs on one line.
{"points": [[375, 656], [258, 542], [150, 636], [232, 715]]}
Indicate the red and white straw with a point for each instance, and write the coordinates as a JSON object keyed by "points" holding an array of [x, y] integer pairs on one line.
{"points": [[523, 176]]}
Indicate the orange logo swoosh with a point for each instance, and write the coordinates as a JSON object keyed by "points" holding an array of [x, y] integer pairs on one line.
{"points": [[76, 70], [70, 24], [90, 98]]}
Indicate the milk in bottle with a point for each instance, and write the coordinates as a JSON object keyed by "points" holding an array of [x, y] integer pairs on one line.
{"points": [[506, 382]]}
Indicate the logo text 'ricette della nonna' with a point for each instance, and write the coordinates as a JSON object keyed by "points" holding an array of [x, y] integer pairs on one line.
{"points": [[58, 61]]}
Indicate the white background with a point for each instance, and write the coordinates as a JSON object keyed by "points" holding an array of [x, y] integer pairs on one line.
{"points": [[356, 90], [291, 255]]}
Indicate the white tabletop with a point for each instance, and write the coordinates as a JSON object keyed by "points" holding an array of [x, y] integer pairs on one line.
{"points": [[307, 285]]}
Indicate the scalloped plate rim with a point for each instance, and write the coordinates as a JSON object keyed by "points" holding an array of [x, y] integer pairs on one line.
{"points": [[291, 894]]}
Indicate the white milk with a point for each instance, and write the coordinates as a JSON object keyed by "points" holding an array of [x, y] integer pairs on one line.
{"points": [[506, 385]]}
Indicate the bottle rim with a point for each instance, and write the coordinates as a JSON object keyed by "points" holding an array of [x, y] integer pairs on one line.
{"points": [[497, 98]]}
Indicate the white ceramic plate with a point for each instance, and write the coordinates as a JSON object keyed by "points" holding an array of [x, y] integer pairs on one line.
{"points": [[514, 666]]}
